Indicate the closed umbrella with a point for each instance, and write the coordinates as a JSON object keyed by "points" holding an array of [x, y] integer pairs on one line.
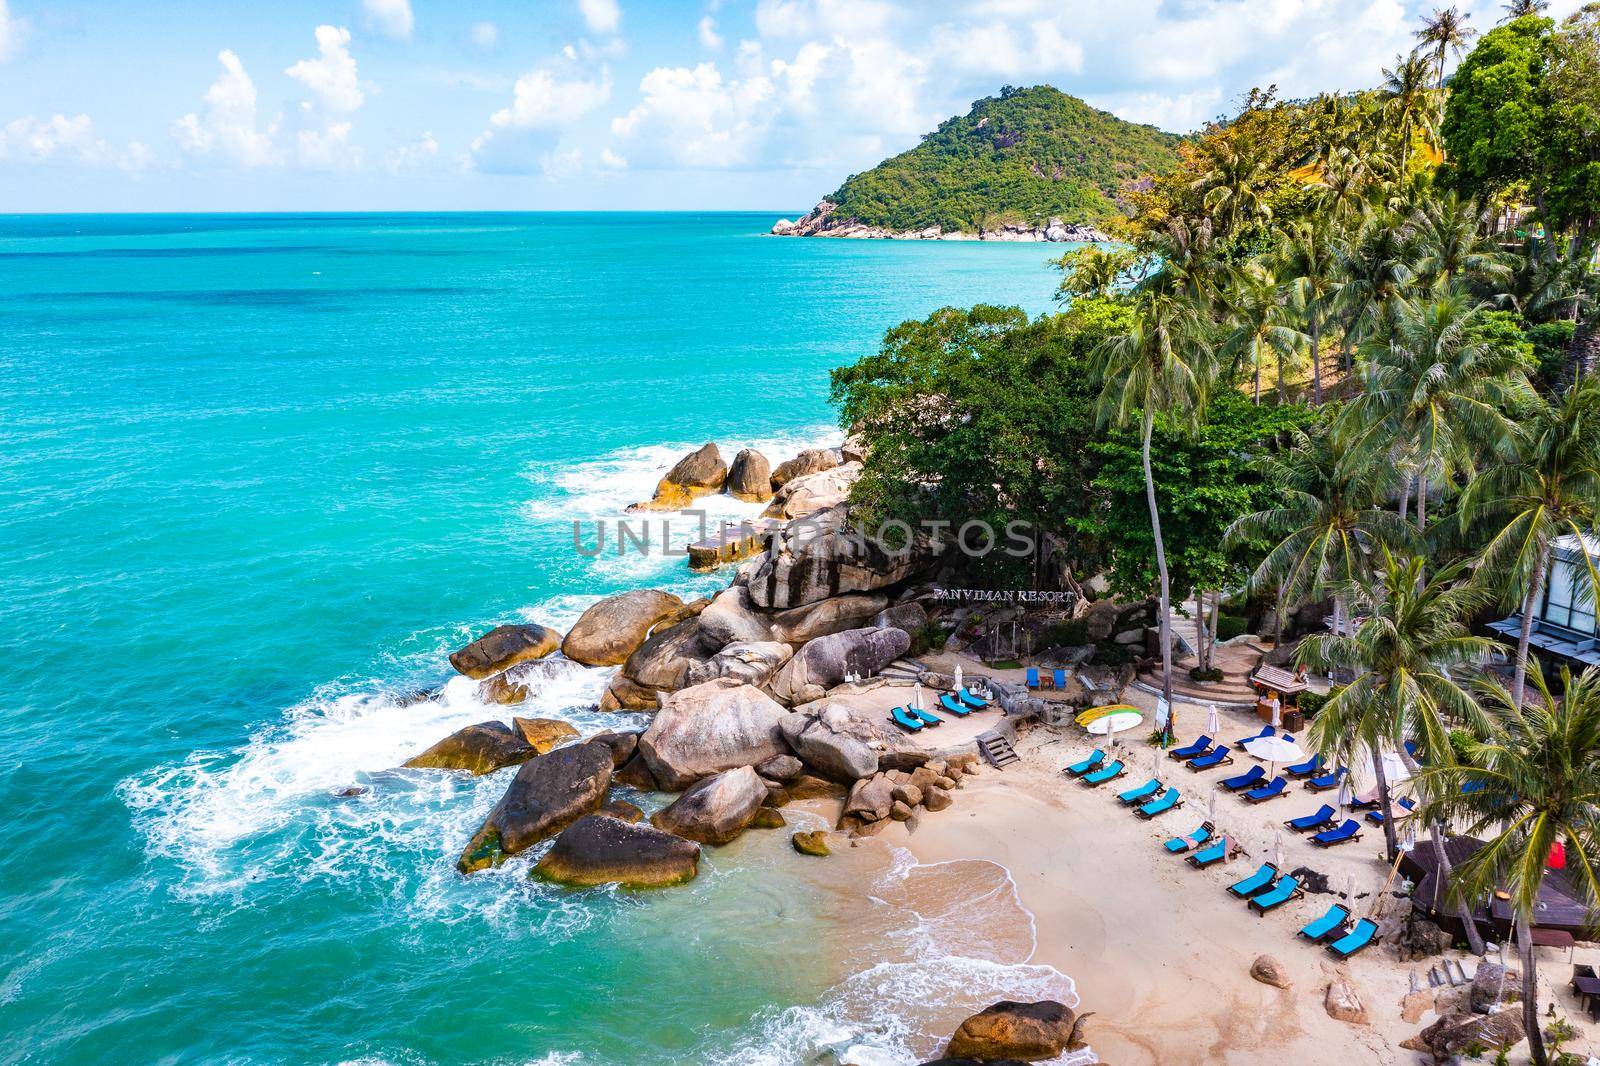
{"points": [[1277, 847], [916, 696], [1277, 712], [1344, 795], [958, 677], [1212, 724], [1211, 815]]}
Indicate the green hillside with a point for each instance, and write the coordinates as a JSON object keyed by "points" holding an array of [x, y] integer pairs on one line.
{"points": [[1023, 156]]}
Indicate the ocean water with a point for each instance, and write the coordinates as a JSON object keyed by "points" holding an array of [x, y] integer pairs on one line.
{"points": [[258, 475]]}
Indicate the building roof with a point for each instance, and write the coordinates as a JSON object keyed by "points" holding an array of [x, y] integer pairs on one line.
{"points": [[1559, 905], [1555, 641]]}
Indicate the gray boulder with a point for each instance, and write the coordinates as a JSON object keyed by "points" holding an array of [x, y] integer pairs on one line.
{"points": [[611, 630], [819, 559], [708, 728], [824, 662], [504, 646], [750, 477], [715, 810], [731, 617], [810, 461], [811, 493], [835, 742], [908, 617], [602, 850], [663, 660], [480, 749], [548, 794], [797, 625], [753, 663]]}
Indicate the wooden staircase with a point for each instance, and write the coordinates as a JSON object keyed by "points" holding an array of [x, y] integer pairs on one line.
{"points": [[997, 751]]}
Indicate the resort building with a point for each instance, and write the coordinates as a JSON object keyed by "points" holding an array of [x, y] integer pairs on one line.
{"points": [[1564, 621]]}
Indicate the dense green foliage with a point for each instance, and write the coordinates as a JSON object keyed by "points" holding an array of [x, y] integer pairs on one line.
{"points": [[1026, 155]]}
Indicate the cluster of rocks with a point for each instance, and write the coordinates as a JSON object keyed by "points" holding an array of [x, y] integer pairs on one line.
{"points": [[1486, 1013], [822, 221], [795, 486], [903, 791]]}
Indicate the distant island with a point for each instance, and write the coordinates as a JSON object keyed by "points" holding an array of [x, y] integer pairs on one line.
{"points": [[1030, 164]]}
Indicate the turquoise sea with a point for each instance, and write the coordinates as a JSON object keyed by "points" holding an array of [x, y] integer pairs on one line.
{"points": [[258, 475]]}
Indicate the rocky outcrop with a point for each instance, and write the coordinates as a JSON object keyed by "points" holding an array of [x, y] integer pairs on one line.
{"points": [[1269, 971], [715, 810], [611, 630], [797, 625], [814, 842], [810, 493], [732, 617], [635, 773], [836, 743], [823, 663], [622, 746], [781, 768], [1027, 1031], [897, 792], [543, 734], [663, 660], [618, 808], [1343, 1002], [600, 850], [697, 474], [821, 221], [709, 728], [753, 663], [478, 749], [1461, 1031], [909, 617], [502, 647], [824, 560], [624, 694], [1494, 986], [548, 794], [750, 477]]}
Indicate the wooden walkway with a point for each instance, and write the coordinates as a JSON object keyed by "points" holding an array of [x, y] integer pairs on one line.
{"points": [[733, 542]]}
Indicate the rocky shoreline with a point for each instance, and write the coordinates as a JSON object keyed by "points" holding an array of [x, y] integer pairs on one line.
{"points": [[821, 221]]}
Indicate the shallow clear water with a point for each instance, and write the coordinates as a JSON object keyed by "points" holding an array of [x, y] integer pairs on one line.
{"points": [[258, 475]]}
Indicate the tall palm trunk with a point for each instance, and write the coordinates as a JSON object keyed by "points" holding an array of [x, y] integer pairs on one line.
{"points": [[1277, 615], [1161, 567], [1525, 635], [1200, 629], [1216, 611], [1405, 500], [1422, 501], [1530, 990], [1257, 360], [1316, 360], [1463, 912], [1391, 843]]}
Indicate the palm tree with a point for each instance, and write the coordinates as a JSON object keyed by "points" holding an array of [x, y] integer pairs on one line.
{"points": [[1402, 654], [1408, 102], [1234, 185], [1306, 258], [1256, 323], [1532, 781], [1450, 242], [1546, 485], [1373, 273], [1446, 30], [1093, 270], [1157, 365], [1519, 9]]}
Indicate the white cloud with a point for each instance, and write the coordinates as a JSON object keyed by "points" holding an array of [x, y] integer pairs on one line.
{"points": [[486, 35], [59, 139], [601, 16], [227, 128], [12, 30], [708, 33], [332, 75], [415, 154], [392, 18], [544, 101], [695, 118], [611, 160], [327, 148]]}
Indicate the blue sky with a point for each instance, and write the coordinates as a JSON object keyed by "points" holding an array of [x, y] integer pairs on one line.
{"points": [[598, 104]]}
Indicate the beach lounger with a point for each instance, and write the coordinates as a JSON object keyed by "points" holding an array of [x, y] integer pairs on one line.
{"points": [[1350, 830], [952, 706], [925, 717], [972, 699], [900, 718], [1307, 822], [1367, 801], [1249, 779], [1271, 790], [1327, 781], [1311, 766], [1033, 678], [1411, 748], [1266, 731], [1279, 894], [1059, 678], [1217, 756], [1179, 845], [1189, 751], [1165, 802], [1406, 805], [1213, 854], [1356, 939], [1266, 875], [1107, 773], [1083, 766], [1135, 796], [1327, 925]]}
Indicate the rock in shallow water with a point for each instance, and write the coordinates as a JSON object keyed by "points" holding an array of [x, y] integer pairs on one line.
{"points": [[504, 646], [700, 472], [1028, 1031], [548, 794], [543, 734], [611, 630], [716, 810], [708, 728], [600, 850], [814, 842], [750, 477], [480, 749]]}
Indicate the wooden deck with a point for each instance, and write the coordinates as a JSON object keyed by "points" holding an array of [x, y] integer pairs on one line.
{"points": [[1559, 908], [733, 542]]}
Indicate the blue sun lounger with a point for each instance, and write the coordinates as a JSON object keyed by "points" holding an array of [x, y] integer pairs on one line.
{"points": [[1266, 731], [1104, 774], [1217, 756], [1214, 854], [1060, 679], [1083, 766], [925, 717], [900, 718], [1271, 790], [1169, 799], [1135, 796], [1350, 830], [1327, 781], [1307, 822], [1179, 845], [1327, 925], [1308, 768], [972, 699], [1356, 939], [1033, 677], [1257, 881], [1282, 892], [952, 706], [1189, 751], [1249, 779], [1405, 803]]}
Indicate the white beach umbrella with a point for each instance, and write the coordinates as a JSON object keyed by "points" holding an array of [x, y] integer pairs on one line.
{"points": [[1212, 723], [1274, 750], [1395, 768], [916, 696], [1277, 713], [958, 677], [1344, 794]]}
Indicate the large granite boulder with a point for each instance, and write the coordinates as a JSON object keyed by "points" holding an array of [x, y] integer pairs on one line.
{"points": [[797, 625], [611, 630], [715, 810], [1026, 1031], [818, 558], [663, 660], [752, 662], [522, 682], [602, 850], [811, 493], [835, 742], [623, 746], [548, 794], [824, 662], [697, 474], [480, 749], [1342, 1001], [810, 461], [1269, 971], [709, 728], [731, 617], [909, 616], [750, 477], [1459, 1031], [504, 646], [543, 734], [624, 694]]}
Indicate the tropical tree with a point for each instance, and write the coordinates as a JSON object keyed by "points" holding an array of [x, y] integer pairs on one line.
{"points": [[1450, 243], [1257, 324], [1409, 103], [1545, 485], [1094, 270], [1234, 185], [1306, 259], [1444, 31], [1373, 273], [1530, 782], [1521, 9]]}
